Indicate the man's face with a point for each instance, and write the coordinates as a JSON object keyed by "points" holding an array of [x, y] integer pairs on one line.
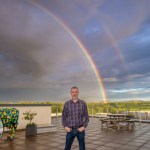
{"points": [[74, 93]]}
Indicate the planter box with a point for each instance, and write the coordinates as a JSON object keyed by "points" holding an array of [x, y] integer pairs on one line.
{"points": [[31, 130]]}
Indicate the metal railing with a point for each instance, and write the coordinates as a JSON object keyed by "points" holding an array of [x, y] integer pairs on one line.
{"points": [[100, 111]]}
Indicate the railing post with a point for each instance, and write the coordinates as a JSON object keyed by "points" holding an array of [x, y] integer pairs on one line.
{"points": [[92, 111], [99, 111], [57, 113], [128, 111], [107, 110], [127, 108], [117, 110], [139, 116]]}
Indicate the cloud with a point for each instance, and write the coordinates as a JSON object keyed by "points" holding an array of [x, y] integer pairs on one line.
{"points": [[132, 91], [38, 58], [133, 76], [110, 79]]}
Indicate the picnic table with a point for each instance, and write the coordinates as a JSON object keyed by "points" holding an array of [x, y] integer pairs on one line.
{"points": [[118, 121]]}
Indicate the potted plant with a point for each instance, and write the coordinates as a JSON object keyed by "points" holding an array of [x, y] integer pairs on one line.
{"points": [[31, 128]]}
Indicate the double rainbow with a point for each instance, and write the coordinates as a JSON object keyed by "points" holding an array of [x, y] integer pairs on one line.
{"points": [[76, 39]]}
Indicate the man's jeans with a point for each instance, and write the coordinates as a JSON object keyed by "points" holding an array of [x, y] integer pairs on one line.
{"points": [[71, 136]]}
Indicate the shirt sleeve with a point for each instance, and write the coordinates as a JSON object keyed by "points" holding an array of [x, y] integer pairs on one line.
{"points": [[64, 116], [85, 116]]}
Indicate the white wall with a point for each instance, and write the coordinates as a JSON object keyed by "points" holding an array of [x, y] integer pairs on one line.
{"points": [[43, 117]]}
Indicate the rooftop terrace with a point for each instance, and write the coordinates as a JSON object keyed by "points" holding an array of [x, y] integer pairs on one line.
{"points": [[96, 138]]}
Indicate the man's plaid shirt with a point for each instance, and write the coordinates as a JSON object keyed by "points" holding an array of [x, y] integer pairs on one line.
{"points": [[75, 114]]}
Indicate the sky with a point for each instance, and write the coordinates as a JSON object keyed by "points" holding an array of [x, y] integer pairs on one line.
{"points": [[44, 46]]}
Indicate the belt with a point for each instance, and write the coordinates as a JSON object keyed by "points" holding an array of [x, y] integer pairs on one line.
{"points": [[76, 127]]}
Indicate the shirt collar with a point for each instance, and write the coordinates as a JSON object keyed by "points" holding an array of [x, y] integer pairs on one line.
{"points": [[73, 101]]}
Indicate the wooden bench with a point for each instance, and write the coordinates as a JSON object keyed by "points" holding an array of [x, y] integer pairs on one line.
{"points": [[130, 124], [118, 124], [108, 123]]}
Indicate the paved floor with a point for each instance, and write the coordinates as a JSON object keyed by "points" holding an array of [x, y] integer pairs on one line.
{"points": [[96, 139]]}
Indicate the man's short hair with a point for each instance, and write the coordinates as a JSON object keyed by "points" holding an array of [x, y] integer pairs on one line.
{"points": [[74, 87]]}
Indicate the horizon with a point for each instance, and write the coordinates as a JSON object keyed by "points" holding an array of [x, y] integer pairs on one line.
{"points": [[63, 101]]}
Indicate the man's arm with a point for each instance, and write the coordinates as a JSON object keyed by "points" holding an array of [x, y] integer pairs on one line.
{"points": [[64, 118], [64, 115], [85, 116]]}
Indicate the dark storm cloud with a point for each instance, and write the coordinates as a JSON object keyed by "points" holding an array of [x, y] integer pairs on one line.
{"points": [[104, 29], [137, 52], [40, 57], [18, 42], [28, 41], [101, 24]]}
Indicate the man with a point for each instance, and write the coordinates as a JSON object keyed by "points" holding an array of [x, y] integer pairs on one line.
{"points": [[75, 119]]}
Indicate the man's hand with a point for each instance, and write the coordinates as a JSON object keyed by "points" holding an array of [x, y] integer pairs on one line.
{"points": [[68, 129], [81, 129]]}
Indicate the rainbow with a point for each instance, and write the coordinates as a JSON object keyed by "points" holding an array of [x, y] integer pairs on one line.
{"points": [[114, 44], [113, 40], [76, 39]]}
